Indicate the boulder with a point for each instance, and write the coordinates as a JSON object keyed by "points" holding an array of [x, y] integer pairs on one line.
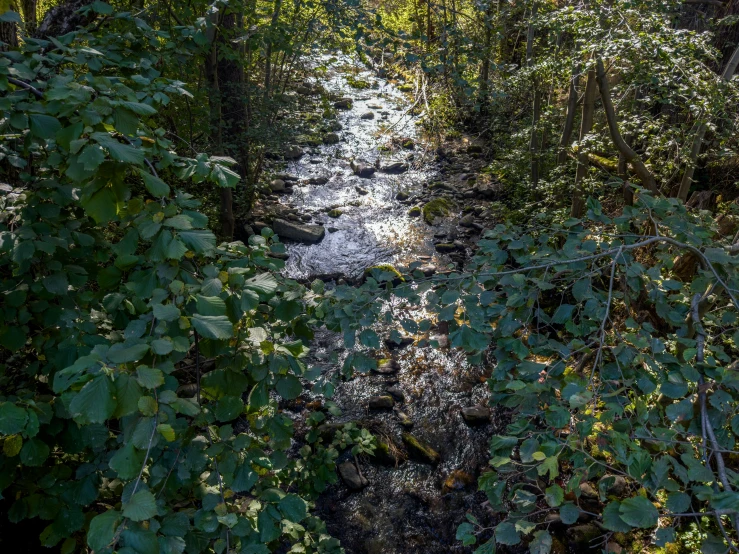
{"points": [[331, 138], [387, 367], [420, 450], [367, 115], [395, 168], [476, 415], [402, 195], [415, 211], [292, 152], [343, 104], [351, 477], [613, 485], [298, 232], [277, 185], [466, 221], [365, 171], [381, 402]]}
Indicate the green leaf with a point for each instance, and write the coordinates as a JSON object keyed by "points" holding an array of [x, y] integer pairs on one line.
{"points": [[612, 518], [12, 338], [229, 408], [166, 312], [289, 387], [505, 533], [149, 377], [264, 283], [44, 126], [244, 479], [569, 513], [213, 327], [127, 461], [102, 530], [677, 502], [12, 418], [120, 354], [210, 305], [541, 544], [639, 512], [162, 347], [127, 394], [95, 403], [293, 508], [154, 185], [554, 495], [141, 506], [34, 453], [200, 242], [56, 284]]}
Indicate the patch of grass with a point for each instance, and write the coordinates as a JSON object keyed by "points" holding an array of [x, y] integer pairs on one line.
{"points": [[438, 207]]}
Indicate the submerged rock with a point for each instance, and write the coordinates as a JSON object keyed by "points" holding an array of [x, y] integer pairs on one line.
{"points": [[381, 402], [395, 168], [457, 480], [388, 454], [351, 477], [293, 152], [365, 171], [298, 232], [476, 415], [420, 450]]}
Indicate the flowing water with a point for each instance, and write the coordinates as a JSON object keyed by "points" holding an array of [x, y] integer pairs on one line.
{"points": [[413, 507]]}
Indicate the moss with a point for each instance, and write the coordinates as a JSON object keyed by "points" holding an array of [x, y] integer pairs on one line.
{"points": [[439, 207], [406, 88], [385, 268], [415, 211], [420, 450], [357, 83], [335, 213]]}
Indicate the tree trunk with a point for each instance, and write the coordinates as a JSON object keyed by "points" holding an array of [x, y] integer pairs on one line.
{"points": [[29, 15], [588, 107], [700, 134], [533, 142], [8, 31], [268, 49], [564, 142], [631, 156]]}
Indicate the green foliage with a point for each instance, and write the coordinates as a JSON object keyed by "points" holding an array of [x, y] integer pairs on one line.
{"points": [[116, 296]]}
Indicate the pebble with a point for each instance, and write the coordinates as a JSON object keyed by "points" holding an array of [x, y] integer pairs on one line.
{"points": [[476, 415], [351, 477]]}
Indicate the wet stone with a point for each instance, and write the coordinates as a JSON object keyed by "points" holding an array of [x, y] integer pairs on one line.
{"points": [[331, 138], [381, 402], [458, 480], [387, 367], [361, 190], [445, 247], [351, 477], [343, 104], [395, 168], [293, 152], [466, 221], [278, 185], [367, 115], [402, 195], [396, 393], [298, 232], [614, 485], [476, 415], [403, 418], [420, 450]]}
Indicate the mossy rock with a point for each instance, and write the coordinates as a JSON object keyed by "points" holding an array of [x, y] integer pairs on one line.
{"points": [[415, 211], [420, 450], [388, 454], [359, 84], [385, 268], [407, 87], [438, 207], [335, 213]]}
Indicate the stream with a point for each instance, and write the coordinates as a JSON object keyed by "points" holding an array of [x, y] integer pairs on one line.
{"points": [[412, 506]]}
